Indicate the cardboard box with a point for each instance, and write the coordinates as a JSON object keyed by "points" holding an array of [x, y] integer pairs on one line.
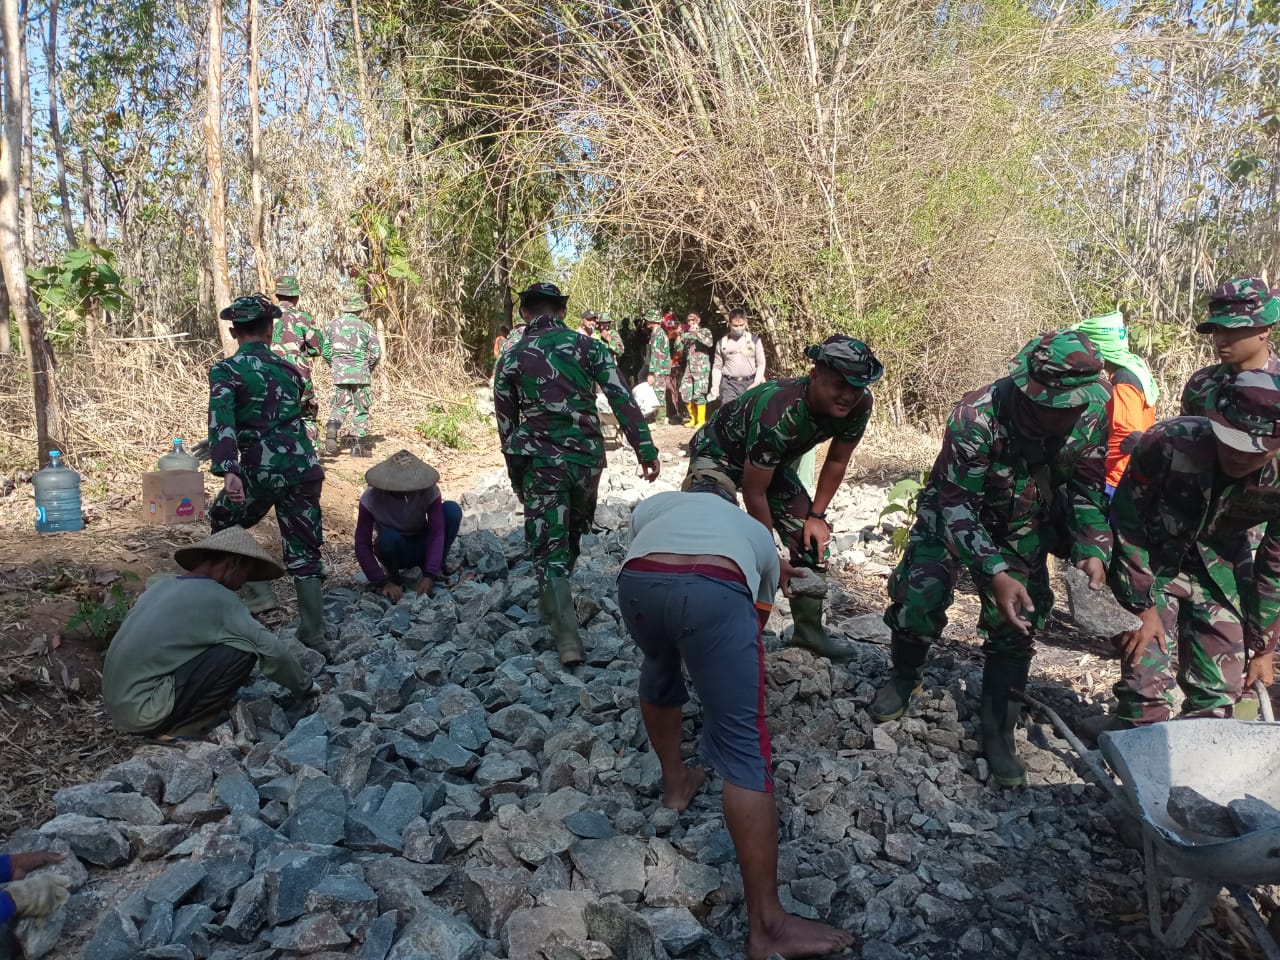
{"points": [[172, 496]]}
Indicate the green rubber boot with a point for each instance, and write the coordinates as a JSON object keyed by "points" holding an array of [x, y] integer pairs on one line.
{"points": [[806, 614], [310, 611], [259, 596], [999, 714], [331, 437], [556, 608], [905, 680]]}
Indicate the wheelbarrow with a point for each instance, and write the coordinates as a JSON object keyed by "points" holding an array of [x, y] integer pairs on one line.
{"points": [[1222, 760]]}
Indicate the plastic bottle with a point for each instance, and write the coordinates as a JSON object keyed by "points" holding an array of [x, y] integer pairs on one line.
{"points": [[178, 458], [57, 497]]}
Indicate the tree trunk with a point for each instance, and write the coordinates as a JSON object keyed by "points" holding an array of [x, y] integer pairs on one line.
{"points": [[30, 322], [6, 344], [255, 157], [25, 163], [362, 75], [217, 184], [55, 127]]}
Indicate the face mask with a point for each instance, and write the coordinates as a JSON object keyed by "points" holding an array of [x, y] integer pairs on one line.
{"points": [[737, 332]]}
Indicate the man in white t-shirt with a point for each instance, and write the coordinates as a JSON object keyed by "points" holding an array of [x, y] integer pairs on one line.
{"points": [[697, 586]]}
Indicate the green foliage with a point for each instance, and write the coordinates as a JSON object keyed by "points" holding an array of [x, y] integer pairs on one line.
{"points": [[84, 280], [902, 505], [446, 425], [102, 615]]}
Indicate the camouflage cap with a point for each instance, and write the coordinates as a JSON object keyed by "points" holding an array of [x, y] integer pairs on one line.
{"points": [[356, 304], [1060, 369], [250, 309], [653, 316], [1245, 411], [287, 286], [850, 358], [542, 290], [604, 319], [590, 315], [1241, 302]]}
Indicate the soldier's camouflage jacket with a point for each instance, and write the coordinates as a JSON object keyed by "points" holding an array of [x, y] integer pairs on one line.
{"points": [[256, 426], [696, 346], [352, 349], [658, 357], [1174, 500], [990, 493], [613, 340], [771, 426], [1195, 395], [544, 397], [297, 339]]}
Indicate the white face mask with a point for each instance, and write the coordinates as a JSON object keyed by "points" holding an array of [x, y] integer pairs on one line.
{"points": [[737, 332]]}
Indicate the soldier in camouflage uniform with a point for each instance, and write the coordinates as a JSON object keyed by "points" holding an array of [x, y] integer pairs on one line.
{"points": [[610, 338], [657, 362], [1020, 475], [352, 350], [696, 343], [1241, 314], [544, 398], [258, 444], [753, 444], [297, 339], [1184, 561]]}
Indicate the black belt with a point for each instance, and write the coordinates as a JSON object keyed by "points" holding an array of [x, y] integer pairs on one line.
{"points": [[739, 379]]}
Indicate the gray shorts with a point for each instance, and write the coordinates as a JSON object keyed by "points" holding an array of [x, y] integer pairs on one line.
{"points": [[711, 625]]}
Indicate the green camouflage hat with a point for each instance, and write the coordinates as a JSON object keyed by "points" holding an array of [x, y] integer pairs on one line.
{"points": [[543, 290], [1241, 302], [604, 319], [653, 316], [287, 286], [356, 304], [1245, 411], [250, 309], [850, 358], [1060, 369]]}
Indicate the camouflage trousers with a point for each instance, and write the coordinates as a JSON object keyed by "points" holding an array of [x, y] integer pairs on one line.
{"points": [[695, 384], [789, 506], [1211, 655], [559, 504], [922, 588], [354, 399], [297, 513]]}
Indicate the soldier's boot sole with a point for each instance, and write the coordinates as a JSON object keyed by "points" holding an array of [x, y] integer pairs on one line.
{"points": [[893, 699]]}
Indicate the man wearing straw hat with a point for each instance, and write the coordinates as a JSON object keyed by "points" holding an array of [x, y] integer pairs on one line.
{"points": [[189, 644], [259, 445], [297, 339], [404, 522], [544, 399]]}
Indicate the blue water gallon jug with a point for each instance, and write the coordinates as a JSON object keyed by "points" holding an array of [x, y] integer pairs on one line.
{"points": [[57, 497], [178, 458]]}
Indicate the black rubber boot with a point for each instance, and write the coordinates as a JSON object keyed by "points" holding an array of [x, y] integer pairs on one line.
{"points": [[331, 437], [311, 632], [558, 612], [905, 680], [999, 714]]}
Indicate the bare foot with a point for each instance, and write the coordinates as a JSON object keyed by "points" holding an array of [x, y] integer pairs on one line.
{"points": [[679, 795], [797, 937]]}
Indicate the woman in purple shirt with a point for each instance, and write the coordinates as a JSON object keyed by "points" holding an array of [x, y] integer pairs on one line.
{"points": [[404, 522]]}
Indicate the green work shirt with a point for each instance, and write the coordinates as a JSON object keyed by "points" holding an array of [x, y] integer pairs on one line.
{"points": [[175, 620]]}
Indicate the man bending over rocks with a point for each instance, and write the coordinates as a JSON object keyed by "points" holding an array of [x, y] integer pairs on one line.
{"points": [[189, 644], [754, 443], [697, 586], [1020, 475]]}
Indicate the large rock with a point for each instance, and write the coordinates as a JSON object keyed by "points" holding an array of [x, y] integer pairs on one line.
{"points": [[437, 934], [289, 878], [319, 812], [674, 881], [559, 914], [491, 896], [677, 929], [176, 883], [625, 932], [311, 934], [91, 838], [533, 839], [615, 865]]}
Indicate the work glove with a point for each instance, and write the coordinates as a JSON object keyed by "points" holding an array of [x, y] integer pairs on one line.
{"points": [[40, 895]]}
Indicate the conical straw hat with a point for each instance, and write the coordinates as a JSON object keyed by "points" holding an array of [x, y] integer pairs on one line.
{"points": [[402, 472], [238, 542]]}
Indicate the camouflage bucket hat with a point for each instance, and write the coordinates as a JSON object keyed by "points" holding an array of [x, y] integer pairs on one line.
{"points": [[287, 286], [653, 316], [1245, 411], [1060, 369], [604, 319], [850, 358], [250, 309], [543, 290], [1241, 302], [356, 304]]}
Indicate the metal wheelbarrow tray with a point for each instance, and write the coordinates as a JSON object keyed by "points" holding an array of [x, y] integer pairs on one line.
{"points": [[1223, 760]]}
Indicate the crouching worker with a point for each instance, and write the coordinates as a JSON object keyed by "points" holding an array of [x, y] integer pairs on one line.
{"points": [[697, 586], [24, 896], [404, 521], [188, 645]]}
